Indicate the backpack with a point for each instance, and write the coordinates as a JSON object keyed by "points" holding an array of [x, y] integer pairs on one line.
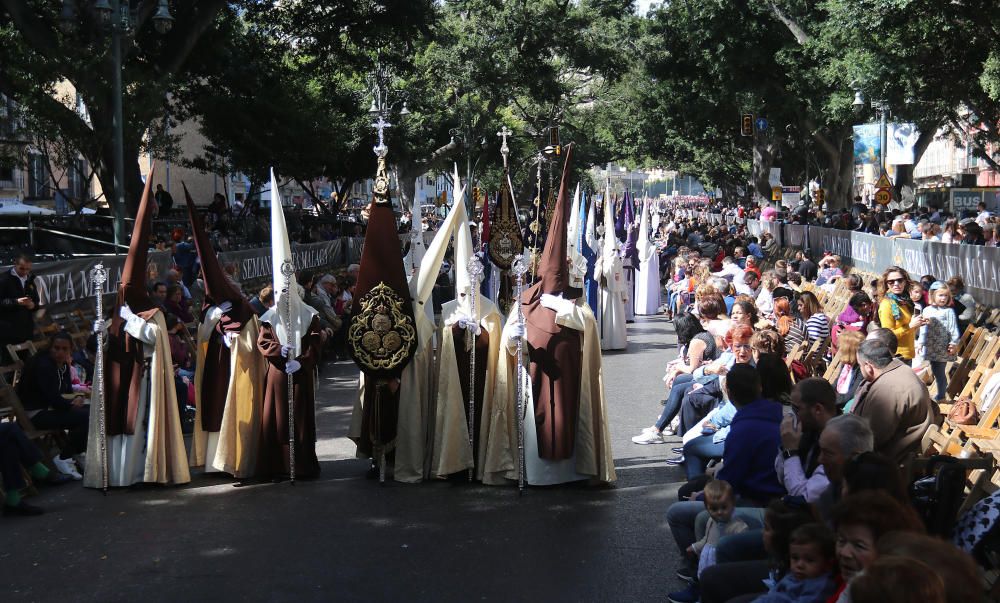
{"points": [[938, 496]]}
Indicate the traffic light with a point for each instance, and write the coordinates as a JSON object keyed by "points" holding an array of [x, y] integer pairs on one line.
{"points": [[746, 125]]}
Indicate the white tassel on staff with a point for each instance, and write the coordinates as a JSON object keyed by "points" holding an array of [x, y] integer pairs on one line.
{"points": [[99, 276]]}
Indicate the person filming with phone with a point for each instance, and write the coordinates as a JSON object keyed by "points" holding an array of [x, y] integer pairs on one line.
{"points": [[18, 301]]}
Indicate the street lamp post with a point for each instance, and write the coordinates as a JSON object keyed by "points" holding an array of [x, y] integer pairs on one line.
{"points": [[881, 108], [119, 19]]}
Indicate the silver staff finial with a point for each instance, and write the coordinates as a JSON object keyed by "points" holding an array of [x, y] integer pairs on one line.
{"points": [[381, 125], [504, 149]]}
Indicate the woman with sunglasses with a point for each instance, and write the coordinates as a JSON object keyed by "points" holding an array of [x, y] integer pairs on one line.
{"points": [[896, 312]]}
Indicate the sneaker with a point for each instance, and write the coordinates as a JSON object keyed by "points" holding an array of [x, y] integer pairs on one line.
{"points": [[686, 574], [677, 460], [649, 430], [691, 594], [66, 466], [647, 437], [677, 450]]}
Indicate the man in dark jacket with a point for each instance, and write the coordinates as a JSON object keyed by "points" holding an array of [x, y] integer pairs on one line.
{"points": [[18, 299], [46, 391]]}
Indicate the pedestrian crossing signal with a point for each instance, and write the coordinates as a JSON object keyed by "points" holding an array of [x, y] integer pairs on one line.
{"points": [[746, 125]]}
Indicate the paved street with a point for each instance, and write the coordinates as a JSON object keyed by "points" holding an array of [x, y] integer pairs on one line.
{"points": [[345, 538]]}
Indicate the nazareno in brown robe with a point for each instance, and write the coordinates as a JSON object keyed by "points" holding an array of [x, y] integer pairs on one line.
{"points": [[272, 456], [215, 376], [555, 353]]}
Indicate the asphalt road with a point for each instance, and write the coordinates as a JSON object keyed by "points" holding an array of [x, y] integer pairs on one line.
{"points": [[345, 538]]}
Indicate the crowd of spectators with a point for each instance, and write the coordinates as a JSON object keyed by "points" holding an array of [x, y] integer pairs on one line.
{"points": [[979, 227], [799, 492]]}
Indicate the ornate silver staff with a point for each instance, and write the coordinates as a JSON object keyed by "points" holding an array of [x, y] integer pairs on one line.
{"points": [[519, 269], [99, 276], [475, 273], [287, 272]]}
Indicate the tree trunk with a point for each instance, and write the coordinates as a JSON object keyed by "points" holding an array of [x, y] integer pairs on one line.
{"points": [[763, 159]]}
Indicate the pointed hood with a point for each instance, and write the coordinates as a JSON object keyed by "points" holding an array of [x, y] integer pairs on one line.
{"points": [[644, 247], [300, 314], [218, 287], [133, 289], [382, 337], [631, 232], [552, 267], [620, 226], [417, 248], [590, 249], [610, 240], [429, 269], [590, 238], [484, 230], [463, 253], [577, 262]]}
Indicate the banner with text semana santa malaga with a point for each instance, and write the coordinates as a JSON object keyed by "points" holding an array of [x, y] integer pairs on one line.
{"points": [[66, 285]]}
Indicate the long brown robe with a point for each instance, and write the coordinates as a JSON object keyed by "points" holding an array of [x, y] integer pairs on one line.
{"points": [[272, 457]]}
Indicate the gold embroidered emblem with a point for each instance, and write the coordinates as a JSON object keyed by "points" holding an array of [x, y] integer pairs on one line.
{"points": [[382, 337]]}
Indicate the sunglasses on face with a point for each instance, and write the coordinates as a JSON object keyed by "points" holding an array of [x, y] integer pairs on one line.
{"points": [[895, 281]]}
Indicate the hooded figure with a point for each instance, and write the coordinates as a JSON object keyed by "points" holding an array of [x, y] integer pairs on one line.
{"points": [[647, 282], [577, 261], [630, 255], [591, 249], [289, 340], [609, 274], [142, 421], [465, 320], [383, 334], [566, 434], [414, 426], [229, 371], [417, 249]]}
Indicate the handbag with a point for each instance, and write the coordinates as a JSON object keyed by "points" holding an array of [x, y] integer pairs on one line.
{"points": [[963, 412]]}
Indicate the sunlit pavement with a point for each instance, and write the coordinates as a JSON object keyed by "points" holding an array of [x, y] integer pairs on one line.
{"points": [[345, 538]]}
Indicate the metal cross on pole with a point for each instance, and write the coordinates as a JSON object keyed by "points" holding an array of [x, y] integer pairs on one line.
{"points": [[380, 127], [504, 149]]}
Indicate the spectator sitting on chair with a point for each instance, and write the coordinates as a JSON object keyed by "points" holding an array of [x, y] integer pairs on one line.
{"points": [[17, 453], [18, 298], [894, 400], [46, 391]]}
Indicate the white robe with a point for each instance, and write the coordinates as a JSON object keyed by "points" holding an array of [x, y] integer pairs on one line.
{"points": [[591, 458], [609, 273], [647, 279], [628, 271], [155, 451], [451, 450]]}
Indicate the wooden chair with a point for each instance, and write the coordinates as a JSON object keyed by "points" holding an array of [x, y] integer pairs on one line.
{"points": [[20, 353]]}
